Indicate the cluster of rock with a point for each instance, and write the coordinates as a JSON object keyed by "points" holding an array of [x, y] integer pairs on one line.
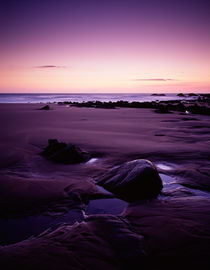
{"points": [[132, 181], [188, 95], [61, 152], [201, 105], [91, 104]]}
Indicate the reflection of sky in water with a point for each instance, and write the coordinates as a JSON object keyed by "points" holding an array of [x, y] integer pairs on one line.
{"points": [[169, 184], [106, 206], [167, 180], [17, 229], [172, 189], [92, 160], [164, 166], [104, 190]]}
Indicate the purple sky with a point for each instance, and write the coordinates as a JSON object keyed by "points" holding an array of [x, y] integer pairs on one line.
{"points": [[104, 46]]}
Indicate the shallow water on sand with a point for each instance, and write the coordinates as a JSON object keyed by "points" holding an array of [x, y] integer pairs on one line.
{"points": [[17, 229], [171, 188]]}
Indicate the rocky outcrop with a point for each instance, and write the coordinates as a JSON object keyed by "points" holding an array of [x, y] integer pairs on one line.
{"points": [[61, 152]]}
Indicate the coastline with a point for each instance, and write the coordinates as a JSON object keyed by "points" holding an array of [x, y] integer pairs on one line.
{"points": [[85, 97]]}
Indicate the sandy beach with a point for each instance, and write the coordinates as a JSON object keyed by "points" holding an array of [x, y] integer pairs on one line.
{"points": [[33, 190]]}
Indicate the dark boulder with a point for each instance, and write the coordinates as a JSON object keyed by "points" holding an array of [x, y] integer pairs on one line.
{"points": [[61, 152], [134, 180], [45, 108], [192, 95], [159, 134]]}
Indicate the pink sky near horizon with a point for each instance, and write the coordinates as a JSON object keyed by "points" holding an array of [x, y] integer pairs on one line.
{"points": [[101, 55]]}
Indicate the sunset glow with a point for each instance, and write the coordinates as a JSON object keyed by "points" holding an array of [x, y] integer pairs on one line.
{"points": [[105, 46]]}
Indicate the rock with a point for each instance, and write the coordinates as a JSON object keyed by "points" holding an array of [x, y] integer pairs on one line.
{"points": [[158, 95], [134, 180], [159, 134], [61, 152], [46, 107], [181, 95], [196, 109], [162, 109], [192, 95], [105, 105]]}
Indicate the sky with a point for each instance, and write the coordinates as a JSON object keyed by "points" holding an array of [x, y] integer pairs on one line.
{"points": [[104, 46]]}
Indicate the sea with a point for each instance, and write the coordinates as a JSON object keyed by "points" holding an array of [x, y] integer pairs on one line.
{"points": [[59, 97]]}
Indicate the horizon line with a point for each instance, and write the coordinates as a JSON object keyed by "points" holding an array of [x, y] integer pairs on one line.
{"points": [[113, 93]]}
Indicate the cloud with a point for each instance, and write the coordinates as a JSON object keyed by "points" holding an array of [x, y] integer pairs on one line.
{"points": [[49, 66], [154, 80]]}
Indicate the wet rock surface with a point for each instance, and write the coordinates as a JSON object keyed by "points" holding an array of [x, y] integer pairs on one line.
{"points": [[134, 180], [196, 105], [173, 229]]}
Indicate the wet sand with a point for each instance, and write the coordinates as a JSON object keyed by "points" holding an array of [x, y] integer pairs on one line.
{"points": [[176, 224]]}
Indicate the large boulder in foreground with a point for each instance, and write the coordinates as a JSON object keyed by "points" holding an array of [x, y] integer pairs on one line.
{"points": [[134, 180], [61, 152]]}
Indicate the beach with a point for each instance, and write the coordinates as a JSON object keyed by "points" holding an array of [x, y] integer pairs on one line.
{"points": [[33, 190]]}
